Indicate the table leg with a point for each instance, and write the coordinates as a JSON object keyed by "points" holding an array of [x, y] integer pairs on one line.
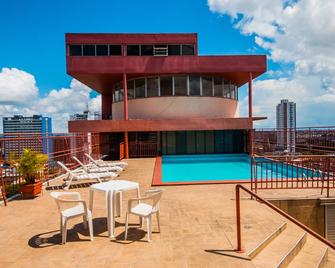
{"points": [[114, 194], [91, 200], [109, 213]]}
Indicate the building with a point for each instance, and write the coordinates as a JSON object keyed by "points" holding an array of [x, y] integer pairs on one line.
{"points": [[160, 97], [83, 116], [286, 125], [27, 129]]}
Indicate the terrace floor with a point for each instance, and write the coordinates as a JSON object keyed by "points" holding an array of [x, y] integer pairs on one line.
{"points": [[197, 229]]}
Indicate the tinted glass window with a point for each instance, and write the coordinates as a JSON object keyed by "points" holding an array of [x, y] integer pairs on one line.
{"points": [[174, 50], [115, 50], [152, 87], [102, 50], [180, 85], [218, 87], [88, 50], [75, 50], [147, 50], [207, 89], [133, 50], [140, 88], [130, 89], [166, 85], [188, 49], [194, 85], [226, 89]]}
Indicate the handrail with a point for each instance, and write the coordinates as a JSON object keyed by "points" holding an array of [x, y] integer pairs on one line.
{"points": [[278, 210], [3, 187]]}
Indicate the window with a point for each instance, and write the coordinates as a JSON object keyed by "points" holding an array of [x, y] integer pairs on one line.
{"points": [[119, 91], [226, 89], [180, 85], [152, 86], [160, 50], [75, 50], [133, 50], [207, 87], [88, 50], [188, 49], [166, 85], [194, 85], [147, 50], [115, 50], [130, 89], [102, 50], [140, 88], [174, 50], [218, 87]]}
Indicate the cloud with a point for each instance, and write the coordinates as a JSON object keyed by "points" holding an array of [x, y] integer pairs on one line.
{"points": [[20, 95]]}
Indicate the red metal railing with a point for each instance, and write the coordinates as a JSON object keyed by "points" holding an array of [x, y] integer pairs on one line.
{"points": [[142, 149], [239, 248]]}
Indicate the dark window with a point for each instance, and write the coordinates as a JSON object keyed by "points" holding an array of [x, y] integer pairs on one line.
{"points": [[174, 50], [218, 88], [152, 87], [188, 49], [75, 50], [115, 50], [207, 87], [140, 88], [147, 50], [226, 89], [166, 85], [130, 89], [102, 50], [194, 85], [180, 85], [88, 50], [133, 50]]}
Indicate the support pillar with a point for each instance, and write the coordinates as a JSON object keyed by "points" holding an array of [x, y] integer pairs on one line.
{"points": [[125, 112], [251, 131]]}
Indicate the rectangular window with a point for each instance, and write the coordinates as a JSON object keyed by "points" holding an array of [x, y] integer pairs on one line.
{"points": [[180, 85], [147, 50], [152, 87], [200, 142], [88, 50], [190, 142], [130, 89], [207, 86], [133, 50], [140, 88], [174, 50], [102, 50], [75, 50], [115, 50], [188, 50], [166, 85], [218, 87], [160, 50], [226, 89], [194, 85]]}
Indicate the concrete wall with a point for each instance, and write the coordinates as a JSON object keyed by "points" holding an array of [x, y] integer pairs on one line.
{"points": [[177, 107]]}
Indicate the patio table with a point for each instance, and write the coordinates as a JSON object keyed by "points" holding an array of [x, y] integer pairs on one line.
{"points": [[110, 189]]}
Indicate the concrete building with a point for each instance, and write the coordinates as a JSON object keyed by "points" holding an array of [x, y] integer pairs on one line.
{"points": [[83, 116]]}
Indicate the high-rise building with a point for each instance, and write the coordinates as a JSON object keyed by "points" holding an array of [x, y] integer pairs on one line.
{"points": [[286, 125], [21, 132]]}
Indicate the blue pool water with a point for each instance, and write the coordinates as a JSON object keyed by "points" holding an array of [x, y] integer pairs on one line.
{"points": [[192, 168]]}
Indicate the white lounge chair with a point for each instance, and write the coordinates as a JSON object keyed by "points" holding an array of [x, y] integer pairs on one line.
{"points": [[102, 163], [92, 168], [79, 209], [144, 210], [83, 175]]}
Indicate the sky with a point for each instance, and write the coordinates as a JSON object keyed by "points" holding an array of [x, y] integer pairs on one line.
{"points": [[297, 37]]}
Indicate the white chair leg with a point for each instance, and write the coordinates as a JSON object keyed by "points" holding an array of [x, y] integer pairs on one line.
{"points": [[85, 221], [141, 220], [158, 223], [64, 231], [90, 227], [126, 226], [149, 228]]}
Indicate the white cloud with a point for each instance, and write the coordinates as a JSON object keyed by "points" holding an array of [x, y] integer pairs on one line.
{"points": [[20, 95]]}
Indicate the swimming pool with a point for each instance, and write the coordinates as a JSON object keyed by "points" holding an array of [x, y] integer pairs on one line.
{"points": [[220, 167]]}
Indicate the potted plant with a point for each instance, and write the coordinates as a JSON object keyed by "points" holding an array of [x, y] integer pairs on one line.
{"points": [[30, 166]]}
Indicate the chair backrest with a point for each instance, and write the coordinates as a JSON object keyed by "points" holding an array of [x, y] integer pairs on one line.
{"points": [[91, 159], [59, 201], [80, 163], [155, 195]]}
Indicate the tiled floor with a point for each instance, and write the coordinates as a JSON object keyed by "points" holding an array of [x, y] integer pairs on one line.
{"points": [[197, 230]]}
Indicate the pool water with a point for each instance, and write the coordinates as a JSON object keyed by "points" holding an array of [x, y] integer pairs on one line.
{"points": [[227, 167]]}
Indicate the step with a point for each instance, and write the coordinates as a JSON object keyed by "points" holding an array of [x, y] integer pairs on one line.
{"points": [[282, 250], [330, 262]]}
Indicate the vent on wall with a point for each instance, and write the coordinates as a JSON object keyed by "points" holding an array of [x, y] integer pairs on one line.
{"points": [[160, 50]]}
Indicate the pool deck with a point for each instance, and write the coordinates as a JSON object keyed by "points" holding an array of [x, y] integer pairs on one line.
{"points": [[197, 229]]}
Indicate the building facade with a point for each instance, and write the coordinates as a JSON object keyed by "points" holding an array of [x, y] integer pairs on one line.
{"points": [[286, 125], [160, 97], [83, 116]]}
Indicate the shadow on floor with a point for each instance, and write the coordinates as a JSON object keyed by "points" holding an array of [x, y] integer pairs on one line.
{"points": [[72, 186], [229, 253]]}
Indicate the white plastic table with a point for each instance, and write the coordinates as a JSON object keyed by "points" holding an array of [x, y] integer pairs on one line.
{"points": [[111, 188]]}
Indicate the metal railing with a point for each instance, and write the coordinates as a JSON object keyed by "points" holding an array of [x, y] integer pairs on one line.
{"points": [[239, 248], [142, 149]]}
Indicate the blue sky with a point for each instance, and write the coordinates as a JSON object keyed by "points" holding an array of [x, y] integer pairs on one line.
{"points": [[33, 32]]}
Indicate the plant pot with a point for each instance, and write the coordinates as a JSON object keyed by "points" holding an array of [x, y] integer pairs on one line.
{"points": [[31, 190]]}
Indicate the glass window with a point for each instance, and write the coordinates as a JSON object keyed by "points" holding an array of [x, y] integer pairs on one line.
{"points": [[166, 85], [140, 88], [75, 50], [200, 142], [121, 94], [174, 50], [152, 87], [190, 142], [161, 50], [131, 89], [180, 85], [147, 50], [207, 86], [116, 96], [194, 85], [218, 87], [115, 50], [88, 50], [133, 50], [226, 89], [232, 91], [188, 50], [119, 91], [209, 141], [102, 50], [171, 142]]}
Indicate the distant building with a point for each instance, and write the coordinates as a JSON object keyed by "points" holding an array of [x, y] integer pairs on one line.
{"points": [[83, 116], [27, 129], [286, 125]]}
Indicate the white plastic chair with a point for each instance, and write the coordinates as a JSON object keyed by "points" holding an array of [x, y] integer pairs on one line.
{"points": [[78, 210], [102, 163], [92, 168], [145, 210]]}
